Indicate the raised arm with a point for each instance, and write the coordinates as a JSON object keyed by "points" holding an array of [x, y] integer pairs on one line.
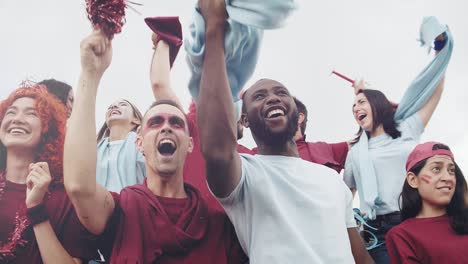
{"points": [[93, 204], [215, 116], [428, 109], [160, 71]]}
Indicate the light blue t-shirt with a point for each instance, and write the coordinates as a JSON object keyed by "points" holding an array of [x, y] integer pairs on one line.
{"points": [[287, 210], [119, 163], [389, 158]]}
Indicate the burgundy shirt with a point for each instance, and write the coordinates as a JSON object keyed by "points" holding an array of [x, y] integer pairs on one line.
{"points": [[140, 231], [330, 155], [78, 242], [426, 240]]}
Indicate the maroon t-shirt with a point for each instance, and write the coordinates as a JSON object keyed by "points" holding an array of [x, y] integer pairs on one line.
{"points": [[78, 242], [194, 168], [139, 231], [426, 240], [330, 155]]}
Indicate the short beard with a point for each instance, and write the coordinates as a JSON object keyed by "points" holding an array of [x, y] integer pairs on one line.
{"points": [[275, 139]]}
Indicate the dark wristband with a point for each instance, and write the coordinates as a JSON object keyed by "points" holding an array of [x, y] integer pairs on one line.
{"points": [[37, 214], [440, 44]]}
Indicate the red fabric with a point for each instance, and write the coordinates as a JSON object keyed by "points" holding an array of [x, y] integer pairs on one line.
{"points": [[73, 236], [426, 240], [144, 232], [169, 30], [330, 155], [424, 151], [194, 168]]}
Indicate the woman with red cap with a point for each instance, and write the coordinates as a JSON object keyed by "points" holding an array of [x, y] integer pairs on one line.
{"points": [[434, 210]]}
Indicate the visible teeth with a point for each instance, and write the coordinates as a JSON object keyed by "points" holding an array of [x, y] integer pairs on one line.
{"points": [[17, 131], [164, 141], [274, 112], [361, 117]]}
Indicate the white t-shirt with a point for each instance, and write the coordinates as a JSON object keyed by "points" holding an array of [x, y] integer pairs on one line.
{"points": [[389, 158], [287, 210]]}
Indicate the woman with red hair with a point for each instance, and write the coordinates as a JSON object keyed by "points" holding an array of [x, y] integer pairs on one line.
{"points": [[38, 222]]}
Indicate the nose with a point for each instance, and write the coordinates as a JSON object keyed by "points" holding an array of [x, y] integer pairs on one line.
{"points": [[272, 99], [166, 128], [446, 176], [18, 119]]}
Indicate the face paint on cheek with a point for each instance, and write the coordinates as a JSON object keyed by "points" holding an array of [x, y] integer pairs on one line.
{"points": [[426, 178]]}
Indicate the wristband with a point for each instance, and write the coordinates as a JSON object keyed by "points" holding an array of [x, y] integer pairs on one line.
{"points": [[440, 44], [37, 214]]}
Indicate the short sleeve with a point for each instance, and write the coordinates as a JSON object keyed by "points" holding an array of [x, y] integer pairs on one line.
{"points": [[349, 214], [412, 127], [399, 249], [348, 175], [237, 195]]}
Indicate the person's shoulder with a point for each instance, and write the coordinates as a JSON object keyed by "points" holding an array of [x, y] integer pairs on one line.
{"points": [[404, 228]]}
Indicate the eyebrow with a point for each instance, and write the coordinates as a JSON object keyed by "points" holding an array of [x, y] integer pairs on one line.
{"points": [[441, 163], [25, 109]]}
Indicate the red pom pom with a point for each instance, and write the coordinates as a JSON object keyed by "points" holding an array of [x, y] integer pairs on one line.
{"points": [[108, 15]]}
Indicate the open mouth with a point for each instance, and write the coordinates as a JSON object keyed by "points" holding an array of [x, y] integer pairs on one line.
{"points": [[167, 147], [17, 131], [115, 112], [273, 113], [361, 117]]}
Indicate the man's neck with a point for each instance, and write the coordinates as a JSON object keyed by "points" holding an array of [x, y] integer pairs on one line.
{"points": [[17, 165], [119, 131], [298, 135], [288, 149], [171, 186]]}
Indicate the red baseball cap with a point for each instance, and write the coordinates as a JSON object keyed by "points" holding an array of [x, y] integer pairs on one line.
{"points": [[424, 151]]}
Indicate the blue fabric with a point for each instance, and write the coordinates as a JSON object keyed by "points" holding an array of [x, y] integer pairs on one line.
{"points": [[247, 20], [131, 162], [416, 95]]}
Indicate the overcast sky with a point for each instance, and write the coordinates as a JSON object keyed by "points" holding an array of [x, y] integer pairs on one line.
{"points": [[370, 38]]}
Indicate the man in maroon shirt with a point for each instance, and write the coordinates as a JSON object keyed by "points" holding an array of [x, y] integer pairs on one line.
{"points": [[194, 168], [330, 155], [162, 220]]}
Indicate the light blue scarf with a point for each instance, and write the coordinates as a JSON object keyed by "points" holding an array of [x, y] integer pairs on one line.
{"points": [[415, 97], [131, 163], [247, 20]]}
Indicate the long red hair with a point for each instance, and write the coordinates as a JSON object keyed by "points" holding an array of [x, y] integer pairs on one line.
{"points": [[52, 114]]}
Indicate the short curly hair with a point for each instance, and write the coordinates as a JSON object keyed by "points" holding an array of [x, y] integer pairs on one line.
{"points": [[51, 112]]}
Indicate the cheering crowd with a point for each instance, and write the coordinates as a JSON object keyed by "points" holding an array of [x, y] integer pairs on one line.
{"points": [[166, 186]]}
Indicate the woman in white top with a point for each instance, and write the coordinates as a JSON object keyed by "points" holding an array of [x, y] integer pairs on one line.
{"points": [[379, 178], [120, 163]]}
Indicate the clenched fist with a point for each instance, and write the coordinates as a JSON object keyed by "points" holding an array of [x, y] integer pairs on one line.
{"points": [[37, 183]]}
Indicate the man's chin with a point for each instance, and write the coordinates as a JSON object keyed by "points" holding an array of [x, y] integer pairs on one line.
{"points": [[165, 171]]}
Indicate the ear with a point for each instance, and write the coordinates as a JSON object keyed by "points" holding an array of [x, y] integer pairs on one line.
{"points": [[190, 145], [139, 143], [301, 118], [245, 120], [412, 180], [136, 121]]}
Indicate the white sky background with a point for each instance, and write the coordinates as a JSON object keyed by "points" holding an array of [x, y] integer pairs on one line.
{"points": [[371, 38]]}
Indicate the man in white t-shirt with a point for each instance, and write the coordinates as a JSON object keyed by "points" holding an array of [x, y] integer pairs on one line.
{"points": [[284, 209]]}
